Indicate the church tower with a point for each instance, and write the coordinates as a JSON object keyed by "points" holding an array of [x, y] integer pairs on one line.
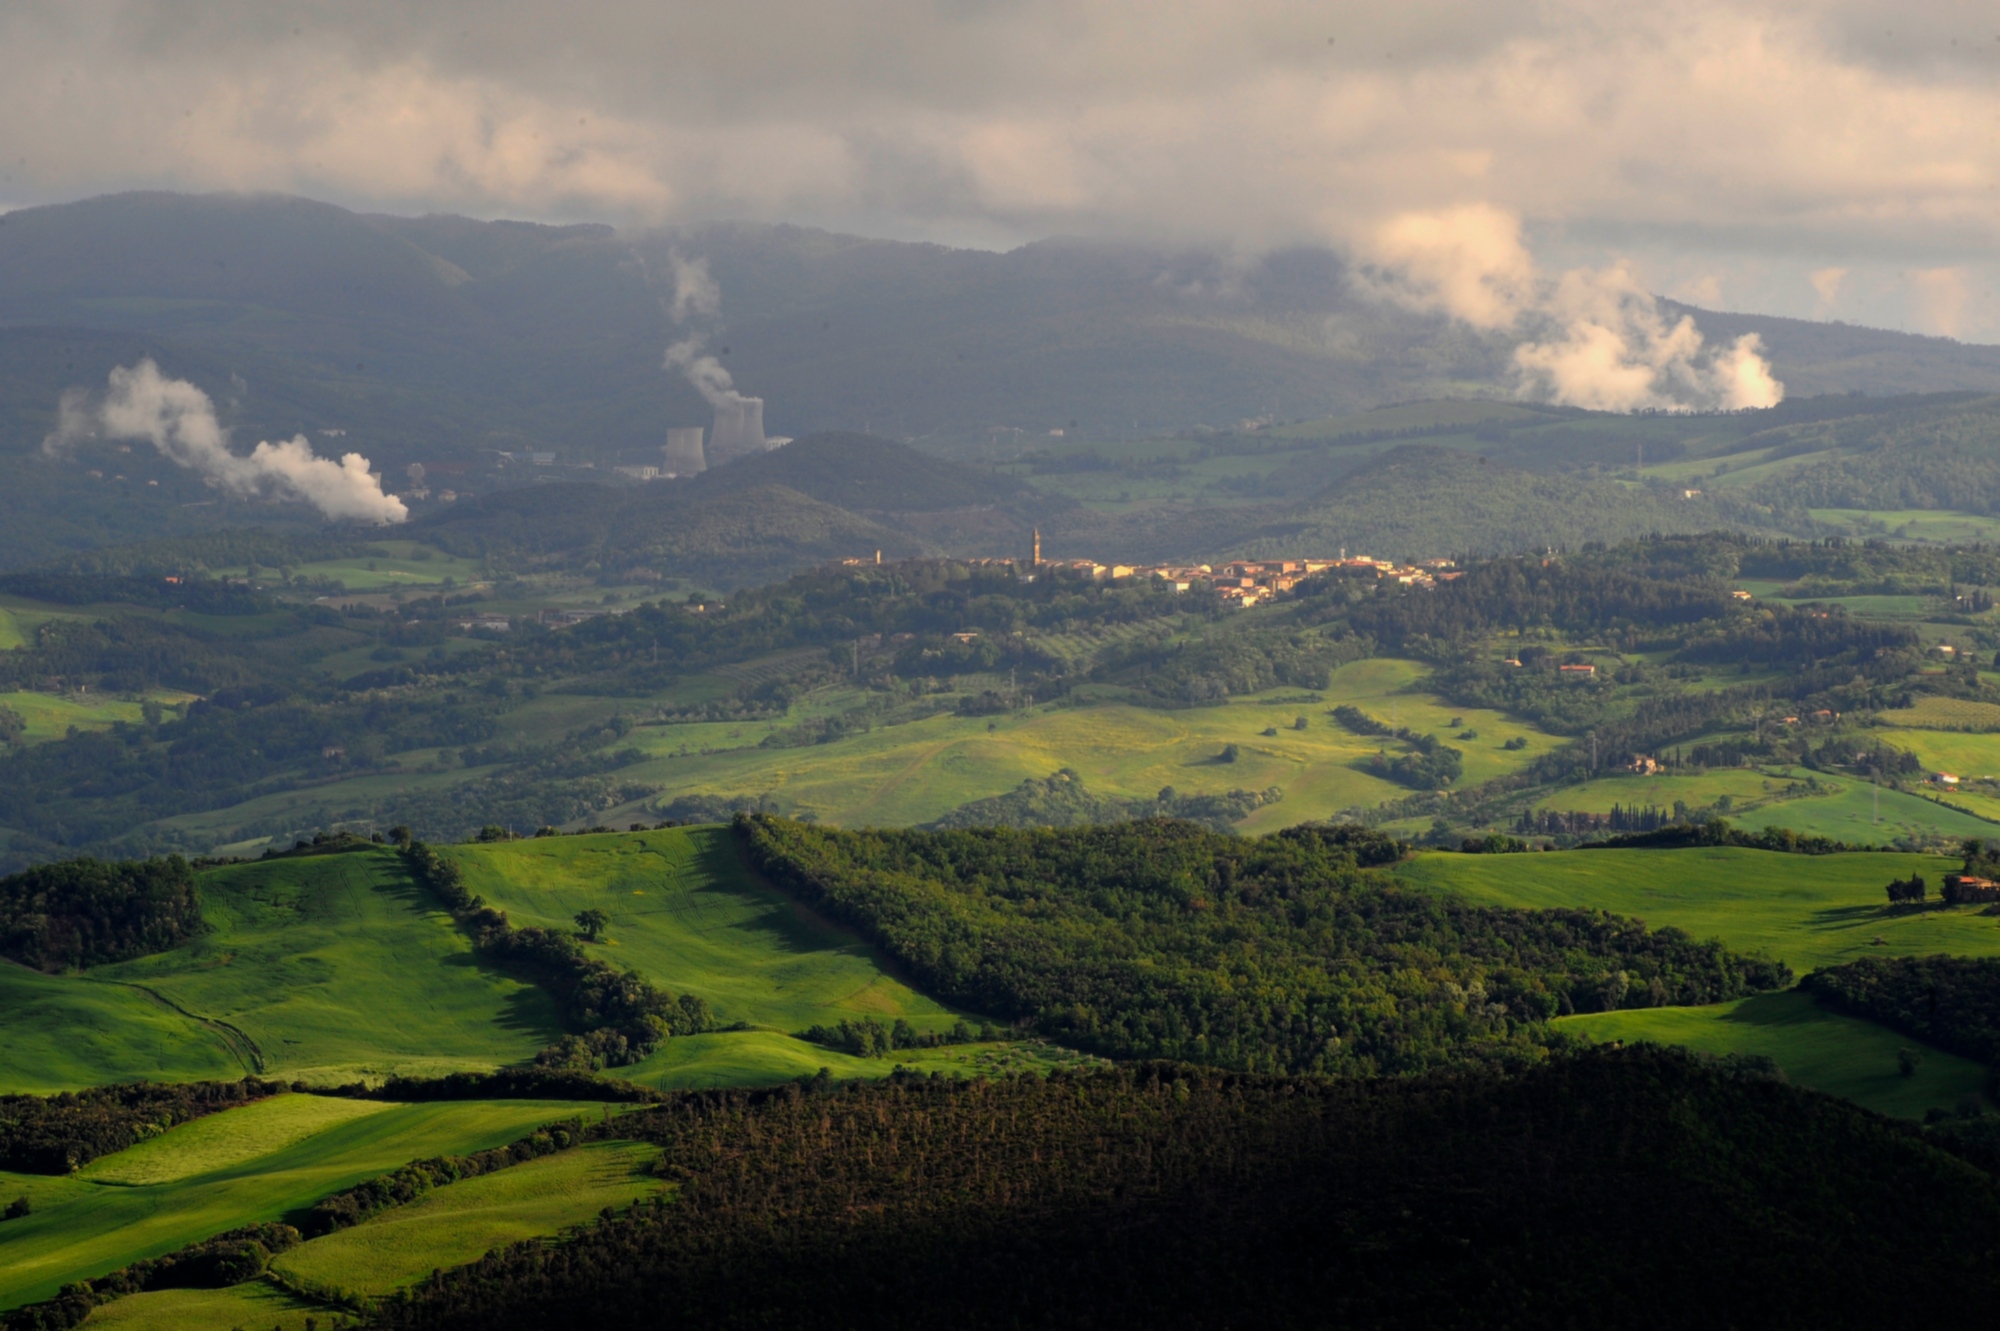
{"points": [[1038, 547]]}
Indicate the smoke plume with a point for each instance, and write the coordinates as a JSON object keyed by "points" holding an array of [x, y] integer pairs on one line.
{"points": [[180, 421], [1592, 338]]}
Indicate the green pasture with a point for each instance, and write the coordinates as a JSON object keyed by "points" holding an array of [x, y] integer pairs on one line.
{"points": [[11, 636], [912, 773], [686, 914], [1934, 713], [763, 1058], [1847, 809], [63, 1032], [82, 1226], [1806, 910], [1824, 1050], [1941, 526], [1963, 754], [227, 1139], [256, 1305], [336, 967], [453, 1225], [50, 716]]}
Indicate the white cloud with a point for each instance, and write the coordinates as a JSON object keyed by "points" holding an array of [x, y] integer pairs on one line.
{"points": [[179, 420], [1827, 133]]}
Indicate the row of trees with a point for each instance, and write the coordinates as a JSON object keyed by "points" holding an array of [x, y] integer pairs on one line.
{"points": [[617, 1017]]}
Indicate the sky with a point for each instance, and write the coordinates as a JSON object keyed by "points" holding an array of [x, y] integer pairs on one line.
{"points": [[1834, 159]]}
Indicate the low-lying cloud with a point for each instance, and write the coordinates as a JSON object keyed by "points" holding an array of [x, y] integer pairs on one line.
{"points": [[1591, 338], [179, 420]]}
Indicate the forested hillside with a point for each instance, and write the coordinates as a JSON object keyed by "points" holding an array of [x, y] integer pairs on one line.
{"points": [[1585, 1190], [1155, 939]]}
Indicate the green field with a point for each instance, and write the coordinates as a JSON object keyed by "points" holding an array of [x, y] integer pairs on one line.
{"points": [[1961, 753], [11, 637], [461, 1223], [686, 914], [1848, 809], [327, 968], [906, 774], [1940, 526], [60, 1033], [1806, 910], [1934, 713], [50, 716], [253, 1305], [1816, 1048], [85, 1225]]}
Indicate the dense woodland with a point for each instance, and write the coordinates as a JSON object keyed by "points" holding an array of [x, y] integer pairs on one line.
{"points": [[86, 912], [1159, 939], [1950, 1002], [1582, 1192], [58, 1133]]}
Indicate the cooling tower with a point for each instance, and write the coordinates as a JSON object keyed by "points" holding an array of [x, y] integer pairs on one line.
{"points": [[739, 429], [683, 451]]}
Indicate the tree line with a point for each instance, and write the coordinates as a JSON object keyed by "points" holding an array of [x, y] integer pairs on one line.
{"points": [[87, 912]]}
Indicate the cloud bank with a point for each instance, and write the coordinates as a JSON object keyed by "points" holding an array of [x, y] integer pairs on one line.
{"points": [[1732, 147], [1593, 338], [179, 420]]}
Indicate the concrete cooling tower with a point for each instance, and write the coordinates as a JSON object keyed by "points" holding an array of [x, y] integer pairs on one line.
{"points": [[739, 430], [684, 456]]}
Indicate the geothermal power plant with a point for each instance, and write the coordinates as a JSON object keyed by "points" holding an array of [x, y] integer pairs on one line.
{"points": [[739, 429], [684, 455], [738, 433]]}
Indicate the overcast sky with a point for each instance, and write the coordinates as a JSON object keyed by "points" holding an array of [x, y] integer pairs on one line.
{"points": [[1838, 159]]}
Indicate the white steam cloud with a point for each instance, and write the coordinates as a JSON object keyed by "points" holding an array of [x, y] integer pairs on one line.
{"points": [[180, 421], [1592, 338], [695, 288], [704, 371]]}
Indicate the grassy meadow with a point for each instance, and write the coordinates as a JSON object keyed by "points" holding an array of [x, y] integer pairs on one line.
{"points": [[686, 914], [65, 1032], [1824, 1050], [906, 774], [1805, 910], [327, 968], [1845, 808], [256, 1163], [50, 716], [461, 1223]]}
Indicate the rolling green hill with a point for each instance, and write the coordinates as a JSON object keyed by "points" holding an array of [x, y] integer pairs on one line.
{"points": [[327, 968], [258, 1163]]}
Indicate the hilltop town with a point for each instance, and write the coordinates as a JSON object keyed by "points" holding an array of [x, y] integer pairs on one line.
{"points": [[1239, 582]]}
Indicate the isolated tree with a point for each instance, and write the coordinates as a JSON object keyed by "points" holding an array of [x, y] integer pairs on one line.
{"points": [[592, 923], [1908, 1061]]}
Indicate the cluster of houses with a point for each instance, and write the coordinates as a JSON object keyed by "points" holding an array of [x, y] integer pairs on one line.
{"points": [[1241, 582]]}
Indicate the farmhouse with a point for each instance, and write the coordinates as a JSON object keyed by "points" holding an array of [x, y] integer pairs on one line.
{"points": [[1577, 671], [1964, 887]]}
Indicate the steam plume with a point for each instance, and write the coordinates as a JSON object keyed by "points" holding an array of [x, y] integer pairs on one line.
{"points": [[180, 421], [1594, 338], [695, 288]]}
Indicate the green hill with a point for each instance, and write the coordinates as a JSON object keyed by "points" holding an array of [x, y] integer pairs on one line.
{"points": [[686, 914], [262, 1162], [325, 967]]}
